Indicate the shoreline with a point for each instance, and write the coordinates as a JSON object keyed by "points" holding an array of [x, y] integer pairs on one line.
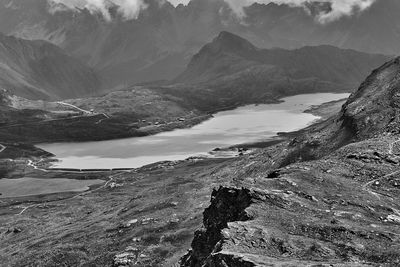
{"points": [[235, 150], [16, 167], [189, 122]]}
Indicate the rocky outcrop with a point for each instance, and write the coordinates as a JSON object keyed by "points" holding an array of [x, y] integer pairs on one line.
{"points": [[337, 211], [374, 108], [227, 205], [334, 201], [371, 111]]}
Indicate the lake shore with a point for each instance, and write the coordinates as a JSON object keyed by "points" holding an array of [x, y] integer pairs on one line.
{"points": [[246, 125], [45, 160]]}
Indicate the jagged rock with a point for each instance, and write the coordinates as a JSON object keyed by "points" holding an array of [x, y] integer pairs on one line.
{"points": [[227, 205]]}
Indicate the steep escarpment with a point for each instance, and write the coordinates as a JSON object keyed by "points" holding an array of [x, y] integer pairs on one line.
{"points": [[41, 70], [371, 111], [334, 204], [375, 107]]}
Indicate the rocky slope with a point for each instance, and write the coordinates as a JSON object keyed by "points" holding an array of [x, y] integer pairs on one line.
{"points": [[341, 209], [41, 70], [160, 42]]}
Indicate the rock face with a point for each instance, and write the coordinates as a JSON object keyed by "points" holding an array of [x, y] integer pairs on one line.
{"points": [[227, 205], [374, 108], [371, 111], [338, 210], [41, 70]]}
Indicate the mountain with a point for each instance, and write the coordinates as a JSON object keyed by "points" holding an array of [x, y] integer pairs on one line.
{"points": [[160, 42], [155, 46], [288, 27], [41, 70], [337, 208], [227, 52], [230, 67]]}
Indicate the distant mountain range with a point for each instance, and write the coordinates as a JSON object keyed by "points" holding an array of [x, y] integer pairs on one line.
{"points": [[161, 41]]}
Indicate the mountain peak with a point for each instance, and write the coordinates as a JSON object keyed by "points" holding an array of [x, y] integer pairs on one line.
{"points": [[231, 42]]}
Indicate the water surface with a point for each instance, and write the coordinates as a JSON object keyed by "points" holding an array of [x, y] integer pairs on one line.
{"points": [[245, 124], [34, 186]]}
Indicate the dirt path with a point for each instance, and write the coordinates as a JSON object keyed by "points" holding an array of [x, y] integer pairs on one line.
{"points": [[75, 107]]}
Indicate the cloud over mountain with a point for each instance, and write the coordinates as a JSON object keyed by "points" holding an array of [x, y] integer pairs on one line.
{"points": [[338, 8], [130, 9]]}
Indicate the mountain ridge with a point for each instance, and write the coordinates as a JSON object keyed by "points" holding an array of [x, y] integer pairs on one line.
{"points": [[168, 36], [224, 59], [40, 70]]}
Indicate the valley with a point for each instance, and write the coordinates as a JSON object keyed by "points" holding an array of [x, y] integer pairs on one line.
{"points": [[150, 211], [199, 133], [289, 202], [248, 75]]}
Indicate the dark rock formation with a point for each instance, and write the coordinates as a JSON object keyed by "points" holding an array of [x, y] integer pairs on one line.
{"points": [[227, 205]]}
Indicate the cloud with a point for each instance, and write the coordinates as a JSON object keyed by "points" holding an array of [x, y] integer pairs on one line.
{"points": [[339, 8], [129, 9], [177, 2]]}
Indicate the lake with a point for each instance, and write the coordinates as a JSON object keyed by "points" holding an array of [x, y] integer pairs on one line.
{"points": [[247, 124], [34, 186]]}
